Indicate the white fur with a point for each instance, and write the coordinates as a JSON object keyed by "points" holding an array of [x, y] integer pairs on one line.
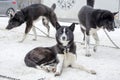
{"points": [[67, 59], [92, 32], [60, 64], [24, 37], [45, 20], [38, 19], [35, 33]]}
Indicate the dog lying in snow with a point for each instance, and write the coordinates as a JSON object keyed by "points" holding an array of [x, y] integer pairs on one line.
{"points": [[54, 58]]}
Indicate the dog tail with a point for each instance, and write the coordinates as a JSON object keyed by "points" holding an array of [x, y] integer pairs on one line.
{"points": [[53, 6], [90, 3]]}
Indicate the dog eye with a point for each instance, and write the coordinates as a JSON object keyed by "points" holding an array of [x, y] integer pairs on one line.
{"points": [[60, 32], [67, 31]]}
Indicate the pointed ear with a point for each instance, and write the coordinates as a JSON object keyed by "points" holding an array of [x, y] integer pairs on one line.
{"points": [[114, 13], [53, 6], [57, 26], [72, 27], [11, 15]]}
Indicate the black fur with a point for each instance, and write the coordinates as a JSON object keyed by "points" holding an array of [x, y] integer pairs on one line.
{"points": [[93, 18], [90, 3], [39, 55]]}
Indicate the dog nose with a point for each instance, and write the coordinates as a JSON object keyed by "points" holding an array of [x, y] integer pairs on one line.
{"points": [[7, 28], [113, 29], [63, 38]]}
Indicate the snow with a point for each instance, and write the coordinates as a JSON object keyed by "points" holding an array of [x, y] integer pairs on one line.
{"points": [[106, 61]]}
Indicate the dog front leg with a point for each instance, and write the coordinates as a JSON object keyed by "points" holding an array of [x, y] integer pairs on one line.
{"points": [[88, 46], [45, 22], [83, 31], [60, 64], [76, 65], [96, 38], [24, 37], [28, 28]]}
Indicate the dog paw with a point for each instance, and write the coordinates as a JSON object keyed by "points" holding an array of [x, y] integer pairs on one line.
{"points": [[48, 36], [34, 39], [57, 74], [20, 41], [88, 55], [83, 43], [93, 72], [94, 49], [53, 70]]}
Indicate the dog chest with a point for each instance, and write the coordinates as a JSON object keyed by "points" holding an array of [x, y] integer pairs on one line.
{"points": [[69, 58], [94, 30]]}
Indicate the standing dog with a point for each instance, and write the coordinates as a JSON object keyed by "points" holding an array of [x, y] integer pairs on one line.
{"points": [[63, 54], [92, 20], [31, 14]]}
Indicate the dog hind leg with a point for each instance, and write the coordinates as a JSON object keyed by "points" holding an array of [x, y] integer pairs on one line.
{"points": [[45, 22], [47, 68], [35, 33], [83, 31]]}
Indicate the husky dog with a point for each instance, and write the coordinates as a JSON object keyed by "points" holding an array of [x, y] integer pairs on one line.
{"points": [[31, 14], [92, 20], [54, 58]]}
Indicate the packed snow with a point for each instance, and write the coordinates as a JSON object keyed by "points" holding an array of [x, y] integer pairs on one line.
{"points": [[106, 61]]}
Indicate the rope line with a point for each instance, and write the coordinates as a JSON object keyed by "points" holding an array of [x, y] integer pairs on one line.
{"points": [[111, 40], [8, 77], [42, 31], [75, 41]]}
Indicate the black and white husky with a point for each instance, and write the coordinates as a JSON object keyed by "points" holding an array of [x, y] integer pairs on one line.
{"points": [[54, 58], [92, 20], [30, 14]]}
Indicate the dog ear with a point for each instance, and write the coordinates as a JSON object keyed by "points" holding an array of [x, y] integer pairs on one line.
{"points": [[11, 15], [114, 13], [53, 6], [57, 26], [72, 27]]}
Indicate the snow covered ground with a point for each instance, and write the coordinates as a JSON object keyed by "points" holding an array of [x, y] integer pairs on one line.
{"points": [[106, 61]]}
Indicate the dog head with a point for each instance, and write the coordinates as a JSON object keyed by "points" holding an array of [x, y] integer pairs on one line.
{"points": [[64, 34], [107, 20], [15, 20]]}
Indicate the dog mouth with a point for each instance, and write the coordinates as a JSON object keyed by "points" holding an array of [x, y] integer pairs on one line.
{"points": [[8, 28], [110, 30]]}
